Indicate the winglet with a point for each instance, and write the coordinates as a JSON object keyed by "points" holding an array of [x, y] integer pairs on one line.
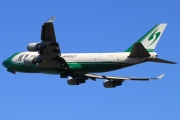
{"points": [[51, 19], [161, 76]]}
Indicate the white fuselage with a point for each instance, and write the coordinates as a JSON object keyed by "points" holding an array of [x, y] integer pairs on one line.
{"points": [[117, 57]]}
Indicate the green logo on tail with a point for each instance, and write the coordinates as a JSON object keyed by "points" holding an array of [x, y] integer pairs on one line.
{"points": [[154, 38]]}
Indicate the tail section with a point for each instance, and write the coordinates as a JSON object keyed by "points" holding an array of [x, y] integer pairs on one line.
{"points": [[151, 38], [147, 44], [139, 51], [161, 61]]}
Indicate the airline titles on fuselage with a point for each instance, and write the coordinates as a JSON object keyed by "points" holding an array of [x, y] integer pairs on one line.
{"points": [[24, 55], [68, 56]]}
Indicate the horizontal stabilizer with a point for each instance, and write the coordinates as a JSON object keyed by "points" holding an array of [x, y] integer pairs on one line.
{"points": [[138, 51], [161, 61]]}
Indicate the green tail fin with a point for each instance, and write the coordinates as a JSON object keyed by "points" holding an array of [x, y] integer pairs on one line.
{"points": [[151, 38]]}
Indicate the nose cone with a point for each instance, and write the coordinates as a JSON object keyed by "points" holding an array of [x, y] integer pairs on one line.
{"points": [[8, 62], [5, 63]]}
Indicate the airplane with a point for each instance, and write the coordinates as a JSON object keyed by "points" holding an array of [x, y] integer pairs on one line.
{"points": [[45, 57]]}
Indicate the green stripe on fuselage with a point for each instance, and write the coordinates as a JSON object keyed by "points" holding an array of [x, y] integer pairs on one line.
{"points": [[84, 67], [95, 66]]}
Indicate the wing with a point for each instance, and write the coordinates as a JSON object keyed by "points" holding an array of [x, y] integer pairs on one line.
{"points": [[49, 44], [49, 50], [114, 78], [113, 81], [109, 82], [47, 31]]}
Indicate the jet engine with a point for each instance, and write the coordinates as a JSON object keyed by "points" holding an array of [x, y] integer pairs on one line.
{"points": [[75, 81], [31, 60], [111, 84], [35, 47]]}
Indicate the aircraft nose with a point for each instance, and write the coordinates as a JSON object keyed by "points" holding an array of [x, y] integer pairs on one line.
{"points": [[4, 63]]}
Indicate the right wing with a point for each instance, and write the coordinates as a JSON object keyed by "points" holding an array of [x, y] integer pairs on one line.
{"points": [[113, 81], [109, 81], [116, 78]]}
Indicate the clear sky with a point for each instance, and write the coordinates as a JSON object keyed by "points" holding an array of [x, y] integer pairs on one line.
{"points": [[91, 26]]}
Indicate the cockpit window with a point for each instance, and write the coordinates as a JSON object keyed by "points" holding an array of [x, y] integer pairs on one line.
{"points": [[26, 55], [20, 57]]}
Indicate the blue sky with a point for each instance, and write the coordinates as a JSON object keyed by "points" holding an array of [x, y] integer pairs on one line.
{"points": [[91, 26]]}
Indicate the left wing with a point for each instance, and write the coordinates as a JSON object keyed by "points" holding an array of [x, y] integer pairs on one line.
{"points": [[49, 44], [49, 50], [47, 31]]}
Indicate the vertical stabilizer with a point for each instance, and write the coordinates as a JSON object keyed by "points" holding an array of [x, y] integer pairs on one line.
{"points": [[151, 38]]}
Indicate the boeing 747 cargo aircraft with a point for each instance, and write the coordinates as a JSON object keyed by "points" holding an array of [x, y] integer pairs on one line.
{"points": [[45, 57]]}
